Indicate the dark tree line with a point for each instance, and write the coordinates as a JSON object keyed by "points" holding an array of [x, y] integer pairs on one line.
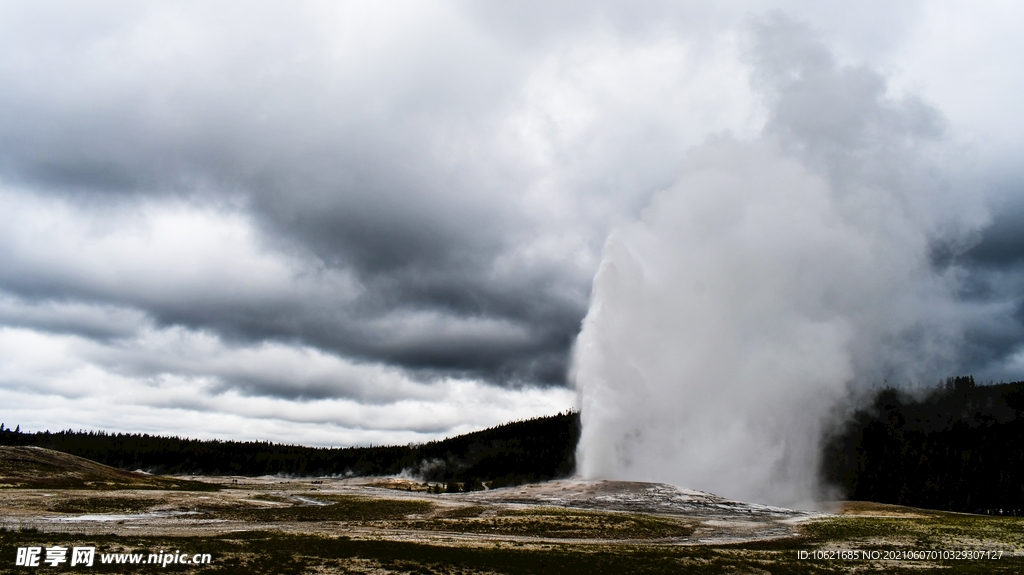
{"points": [[959, 448], [513, 453]]}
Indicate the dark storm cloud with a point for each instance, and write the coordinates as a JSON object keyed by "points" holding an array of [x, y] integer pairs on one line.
{"points": [[993, 282], [384, 161], [1002, 243], [95, 322]]}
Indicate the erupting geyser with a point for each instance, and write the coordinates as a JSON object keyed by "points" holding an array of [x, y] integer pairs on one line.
{"points": [[727, 322]]}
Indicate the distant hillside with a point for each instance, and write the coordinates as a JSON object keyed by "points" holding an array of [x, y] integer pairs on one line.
{"points": [[36, 467], [518, 452], [961, 448]]}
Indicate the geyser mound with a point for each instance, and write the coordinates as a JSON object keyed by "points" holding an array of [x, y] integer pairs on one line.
{"points": [[727, 322]]}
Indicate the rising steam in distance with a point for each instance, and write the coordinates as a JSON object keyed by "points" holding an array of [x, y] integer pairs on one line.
{"points": [[772, 277]]}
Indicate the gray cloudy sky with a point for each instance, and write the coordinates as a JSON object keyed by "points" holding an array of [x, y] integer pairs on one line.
{"points": [[336, 223]]}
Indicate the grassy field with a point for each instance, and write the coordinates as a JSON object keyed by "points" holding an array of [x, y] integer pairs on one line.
{"points": [[271, 552], [275, 526]]}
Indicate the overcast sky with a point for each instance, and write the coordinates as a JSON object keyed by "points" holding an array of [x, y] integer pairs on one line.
{"points": [[349, 223]]}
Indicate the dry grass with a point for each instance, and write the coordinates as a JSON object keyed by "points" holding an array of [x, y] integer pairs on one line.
{"points": [[39, 468]]}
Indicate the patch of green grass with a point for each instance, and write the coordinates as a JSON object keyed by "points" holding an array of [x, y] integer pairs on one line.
{"points": [[151, 484], [272, 498], [462, 512], [934, 531], [100, 504], [560, 523]]}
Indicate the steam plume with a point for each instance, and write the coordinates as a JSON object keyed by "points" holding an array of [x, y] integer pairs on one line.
{"points": [[728, 321]]}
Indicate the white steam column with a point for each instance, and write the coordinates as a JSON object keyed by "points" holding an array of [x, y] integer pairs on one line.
{"points": [[728, 321]]}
